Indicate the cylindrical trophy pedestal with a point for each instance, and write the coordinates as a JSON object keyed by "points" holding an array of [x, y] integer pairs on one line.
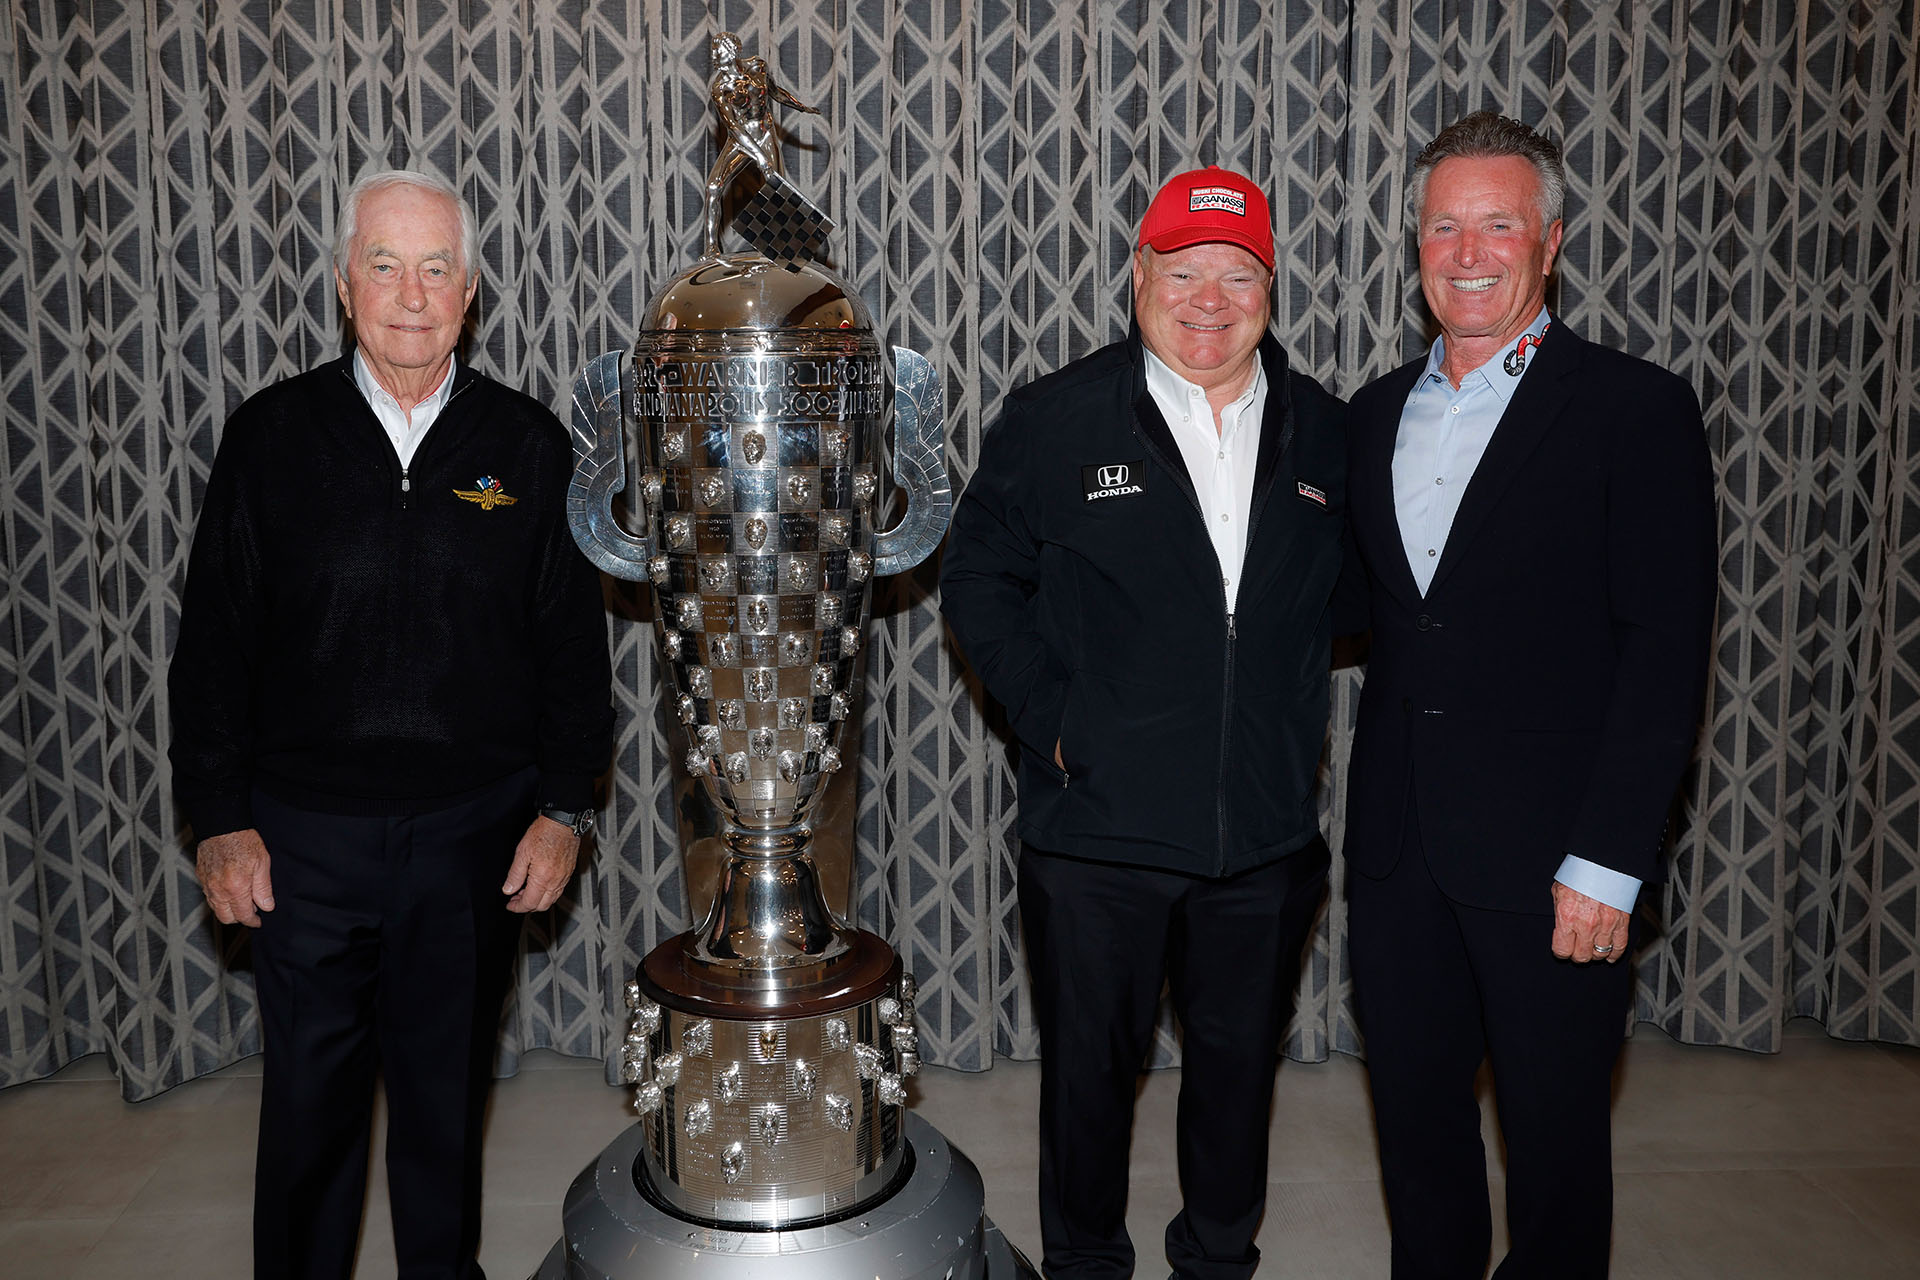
{"points": [[759, 1117], [931, 1228]]}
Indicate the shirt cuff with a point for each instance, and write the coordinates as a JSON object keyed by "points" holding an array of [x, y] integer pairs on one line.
{"points": [[1602, 884]]}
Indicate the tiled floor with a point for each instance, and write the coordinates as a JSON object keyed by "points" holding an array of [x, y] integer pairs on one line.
{"points": [[1803, 1164]]}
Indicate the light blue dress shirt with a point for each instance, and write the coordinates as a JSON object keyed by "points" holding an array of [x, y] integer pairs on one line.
{"points": [[1443, 435]]}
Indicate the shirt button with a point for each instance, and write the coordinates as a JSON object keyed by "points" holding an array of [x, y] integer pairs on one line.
{"points": [[1439, 480], [1223, 517], [1453, 408], [1432, 552]]}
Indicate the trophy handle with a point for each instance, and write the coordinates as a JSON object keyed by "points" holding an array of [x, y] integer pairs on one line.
{"points": [[600, 470], [919, 465]]}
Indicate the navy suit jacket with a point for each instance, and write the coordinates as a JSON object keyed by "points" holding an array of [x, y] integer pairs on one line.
{"points": [[1543, 697]]}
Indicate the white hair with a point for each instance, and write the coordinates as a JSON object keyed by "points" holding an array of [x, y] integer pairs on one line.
{"points": [[381, 180]]}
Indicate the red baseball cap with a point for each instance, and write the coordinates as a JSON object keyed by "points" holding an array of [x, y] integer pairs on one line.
{"points": [[1209, 205]]}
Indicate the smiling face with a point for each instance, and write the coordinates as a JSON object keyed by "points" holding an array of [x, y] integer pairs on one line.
{"points": [[1203, 310], [1484, 255], [406, 288]]}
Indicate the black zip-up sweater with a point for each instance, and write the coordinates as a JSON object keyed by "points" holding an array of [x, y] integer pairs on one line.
{"points": [[364, 639], [1091, 606]]}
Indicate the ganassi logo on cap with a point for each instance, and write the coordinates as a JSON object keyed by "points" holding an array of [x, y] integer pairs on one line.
{"points": [[1217, 199]]}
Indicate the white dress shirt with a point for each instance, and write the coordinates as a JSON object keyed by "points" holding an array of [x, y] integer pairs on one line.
{"points": [[1220, 463], [1444, 433], [406, 430]]}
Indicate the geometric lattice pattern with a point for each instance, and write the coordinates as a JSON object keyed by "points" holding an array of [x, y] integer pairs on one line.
{"points": [[1742, 210]]}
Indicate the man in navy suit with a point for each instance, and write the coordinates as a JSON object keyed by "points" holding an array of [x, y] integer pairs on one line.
{"points": [[1534, 514]]}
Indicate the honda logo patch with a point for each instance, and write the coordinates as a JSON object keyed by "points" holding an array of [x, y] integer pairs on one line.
{"points": [[1114, 480]]}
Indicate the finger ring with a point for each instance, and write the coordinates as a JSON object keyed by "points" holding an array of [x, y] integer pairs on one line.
{"points": [[1601, 951]]}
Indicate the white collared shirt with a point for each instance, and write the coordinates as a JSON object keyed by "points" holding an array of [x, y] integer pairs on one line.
{"points": [[1220, 463], [406, 430]]}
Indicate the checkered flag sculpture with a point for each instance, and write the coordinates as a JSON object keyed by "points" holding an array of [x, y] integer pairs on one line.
{"points": [[783, 224]]}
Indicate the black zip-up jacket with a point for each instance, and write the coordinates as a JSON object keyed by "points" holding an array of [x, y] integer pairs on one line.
{"points": [[1090, 603], [358, 638]]}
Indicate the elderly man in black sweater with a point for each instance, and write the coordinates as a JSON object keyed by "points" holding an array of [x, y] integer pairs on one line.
{"points": [[391, 699]]}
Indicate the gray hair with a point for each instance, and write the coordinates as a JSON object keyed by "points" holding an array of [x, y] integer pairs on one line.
{"points": [[1487, 134], [381, 180]]}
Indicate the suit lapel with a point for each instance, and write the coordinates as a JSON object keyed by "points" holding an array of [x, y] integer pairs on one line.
{"points": [[1276, 430], [1151, 427], [1530, 416], [1264, 561], [1372, 477]]}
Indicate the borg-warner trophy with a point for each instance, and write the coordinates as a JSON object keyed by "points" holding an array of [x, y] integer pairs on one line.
{"points": [[769, 1046]]}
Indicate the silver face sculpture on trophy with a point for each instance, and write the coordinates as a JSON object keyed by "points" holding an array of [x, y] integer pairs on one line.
{"points": [[768, 1047]]}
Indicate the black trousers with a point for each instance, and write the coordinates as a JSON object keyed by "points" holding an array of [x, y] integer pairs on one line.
{"points": [[1441, 987], [1101, 940], [388, 951]]}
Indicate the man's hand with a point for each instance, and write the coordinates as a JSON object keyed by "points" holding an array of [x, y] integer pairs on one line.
{"points": [[1586, 929], [233, 874], [542, 865]]}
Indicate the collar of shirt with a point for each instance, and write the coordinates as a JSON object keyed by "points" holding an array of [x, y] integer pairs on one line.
{"points": [[1494, 375], [1220, 464], [1176, 397], [1443, 434], [404, 429]]}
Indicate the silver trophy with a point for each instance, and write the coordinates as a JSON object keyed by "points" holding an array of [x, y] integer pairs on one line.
{"points": [[768, 1047]]}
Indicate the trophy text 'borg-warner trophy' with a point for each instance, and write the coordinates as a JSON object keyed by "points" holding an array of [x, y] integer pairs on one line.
{"points": [[769, 1045]]}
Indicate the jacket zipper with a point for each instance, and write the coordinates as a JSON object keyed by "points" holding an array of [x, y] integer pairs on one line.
{"points": [[1226, 734], [1226, 687], [1226, 680], [406, 481]]}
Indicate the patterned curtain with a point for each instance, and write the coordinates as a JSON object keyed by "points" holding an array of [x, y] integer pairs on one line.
{"points": [[1743, 210]]}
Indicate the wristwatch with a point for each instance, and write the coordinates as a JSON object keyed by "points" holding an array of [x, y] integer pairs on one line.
{"points": [[579, 823]]}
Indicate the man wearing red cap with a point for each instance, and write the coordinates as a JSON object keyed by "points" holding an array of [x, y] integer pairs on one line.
{"points": [[1140, 572]]}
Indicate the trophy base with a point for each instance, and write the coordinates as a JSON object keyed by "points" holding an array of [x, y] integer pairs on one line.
{"points": [[932, 1228]]}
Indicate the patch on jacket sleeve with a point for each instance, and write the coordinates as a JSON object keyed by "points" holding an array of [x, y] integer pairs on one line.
{"points": [[1312, 494], [1114, 480]]}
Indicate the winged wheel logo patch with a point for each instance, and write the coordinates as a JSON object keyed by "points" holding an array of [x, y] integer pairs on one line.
{"points": [[488, 492]]}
